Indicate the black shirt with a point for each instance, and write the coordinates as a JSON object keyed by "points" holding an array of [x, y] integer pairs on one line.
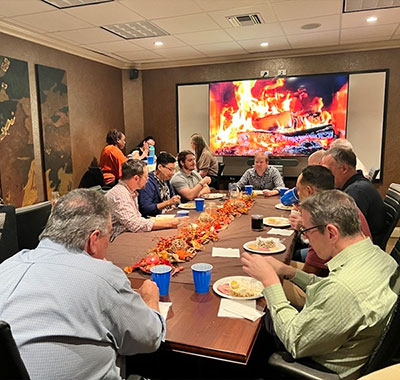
{"points": [[369, 202]]}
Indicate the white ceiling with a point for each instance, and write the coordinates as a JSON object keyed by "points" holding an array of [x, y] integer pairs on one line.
{"points": [[199, 31]]}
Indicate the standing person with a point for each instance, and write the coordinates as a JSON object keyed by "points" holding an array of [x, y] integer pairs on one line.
{"points": [[142, 150], [158, 196], [206, 162], [187, 182], [262, 176], [112, 157], [71, 312]]}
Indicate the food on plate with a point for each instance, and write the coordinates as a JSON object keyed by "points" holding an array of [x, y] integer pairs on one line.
{"points": [[277, 221], [280, 206], [241, 288], [264, 244], [213, 196], [188, 205]]}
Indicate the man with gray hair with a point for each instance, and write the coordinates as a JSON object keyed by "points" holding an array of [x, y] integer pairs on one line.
{"points": [[71, 312], [126, 216], [345, 313], [342, 163]]}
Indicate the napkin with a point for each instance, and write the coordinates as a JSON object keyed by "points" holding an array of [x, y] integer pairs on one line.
{"points": [[225, 252], [279, 231], [239, 309], [164, 307]]}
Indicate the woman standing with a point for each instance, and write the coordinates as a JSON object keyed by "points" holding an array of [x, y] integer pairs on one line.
{"points": [[206, 162], [112, 158]]}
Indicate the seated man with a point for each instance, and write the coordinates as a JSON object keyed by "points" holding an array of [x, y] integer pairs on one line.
{"points": [[342, 164], [262, 176], [346, 312], [316, 157], [187, 182], [70, 311], [158, 196], [123, 197]]}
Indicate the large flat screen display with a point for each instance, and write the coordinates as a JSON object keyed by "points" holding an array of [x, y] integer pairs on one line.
{"points": [[291, 116]]}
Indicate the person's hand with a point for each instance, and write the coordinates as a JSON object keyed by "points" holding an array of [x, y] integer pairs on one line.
{"points": [[150, 294], [260, 268], [270, 193], [295, 219], [176, 199], [206, 180], [145, 149]]}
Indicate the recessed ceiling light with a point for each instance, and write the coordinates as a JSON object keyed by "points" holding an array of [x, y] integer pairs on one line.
{"points": [[313, 25], [264, 44], [137, 29], [158, 43], [372, 19]]}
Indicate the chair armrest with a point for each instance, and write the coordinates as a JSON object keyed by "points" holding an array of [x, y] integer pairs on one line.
{"points": [[284, 362]]}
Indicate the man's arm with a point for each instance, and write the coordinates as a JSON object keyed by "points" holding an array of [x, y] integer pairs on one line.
{"points": [[200, 188]]}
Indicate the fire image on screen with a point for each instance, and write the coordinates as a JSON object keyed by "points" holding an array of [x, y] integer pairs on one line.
{"points": [[293, 116]]}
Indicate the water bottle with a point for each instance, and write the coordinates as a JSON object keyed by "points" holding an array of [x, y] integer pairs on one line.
{"points": [[150, 156]]}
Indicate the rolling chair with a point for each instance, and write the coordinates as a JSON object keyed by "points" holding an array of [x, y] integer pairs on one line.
{"points": [[11, 363], [8, 232], [92, 177], [221, 167], [392, 211], [373, 173]]}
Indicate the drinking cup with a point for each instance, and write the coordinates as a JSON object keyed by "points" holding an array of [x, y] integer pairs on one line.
{"points": [[150, 160], [257, 222], [201, 277], [283, 190], [233, 190], [291, 196], [182, 213], [161, 275], [248, 189], [199, 204]]}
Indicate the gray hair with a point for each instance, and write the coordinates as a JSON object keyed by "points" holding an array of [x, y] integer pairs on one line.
{"points": [[75, 216], [343, 156], [342, 143], [333, 207], [132, 167]]}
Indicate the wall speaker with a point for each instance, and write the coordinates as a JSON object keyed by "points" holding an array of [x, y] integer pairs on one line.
{"points": [[133, 74]]}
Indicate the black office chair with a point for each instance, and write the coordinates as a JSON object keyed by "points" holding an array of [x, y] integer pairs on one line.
{"points": [[395, 253], [382, 356], [92, 177], [373, 173], [11, 364], [221, 167], [31, 221], [392, 210], [8, 232]]}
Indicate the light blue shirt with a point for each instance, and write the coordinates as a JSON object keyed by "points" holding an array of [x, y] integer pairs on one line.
{"points": [[71, 314]]}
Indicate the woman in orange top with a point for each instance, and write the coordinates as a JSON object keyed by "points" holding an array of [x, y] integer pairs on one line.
{"points": [[112, 158]]}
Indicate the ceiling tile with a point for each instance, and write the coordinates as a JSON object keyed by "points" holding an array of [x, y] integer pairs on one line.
{"points": [[52, 21], [153, 9], [104, 14], [314, 39], [10, 8], [186, 24], [275, 43], [327, 23], [137, 55], [169, 42], [215, 5], [363, 40], [180, 53], [385, 16], [368, 31], [297, 9], [88, 36], [221, 49], [265, 11], [256, 31], [397, 32], [206, 37], [113, 46]]}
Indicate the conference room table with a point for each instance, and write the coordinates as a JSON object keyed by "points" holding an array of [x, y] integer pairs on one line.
{"points": [[193, 326]]}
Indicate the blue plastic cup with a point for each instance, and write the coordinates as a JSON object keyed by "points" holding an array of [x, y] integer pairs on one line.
{"points": [[150, 160], [248, 189], [161, 275], [201, 277], [199, 204], [283, 190], [182, 213], [291, 196]]}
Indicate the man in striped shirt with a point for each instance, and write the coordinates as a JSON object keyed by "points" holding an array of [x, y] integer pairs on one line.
{"points": [[346, 312]]}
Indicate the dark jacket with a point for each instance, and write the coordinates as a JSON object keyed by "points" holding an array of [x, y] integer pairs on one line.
{"points": [[150, 196]]}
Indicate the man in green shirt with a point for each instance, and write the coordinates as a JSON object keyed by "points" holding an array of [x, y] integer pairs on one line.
{"points": [[345, 313]]}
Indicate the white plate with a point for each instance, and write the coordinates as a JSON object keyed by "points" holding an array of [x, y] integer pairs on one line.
{"points": [[279, 248], [187, 206], [258, 192], [213, 196], [276, 221], [231, 278], [163, 216], [280, 206]]}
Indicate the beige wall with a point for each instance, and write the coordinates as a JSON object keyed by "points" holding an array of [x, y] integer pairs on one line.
{"points": [[159, 92], [94, 97]]}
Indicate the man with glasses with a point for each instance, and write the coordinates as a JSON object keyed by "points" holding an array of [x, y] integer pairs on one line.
{"points": [[126, 216], [346, 312], [158, 196]]}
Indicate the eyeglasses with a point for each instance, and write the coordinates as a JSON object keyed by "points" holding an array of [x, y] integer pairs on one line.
{"points": [[305, 231], [170, 169]]}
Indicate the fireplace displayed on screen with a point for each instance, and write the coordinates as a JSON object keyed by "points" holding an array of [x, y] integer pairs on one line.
{"points": [[291, 116]]}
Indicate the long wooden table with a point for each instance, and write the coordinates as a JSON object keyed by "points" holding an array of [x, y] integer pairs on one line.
{"points": [[192, 323]]}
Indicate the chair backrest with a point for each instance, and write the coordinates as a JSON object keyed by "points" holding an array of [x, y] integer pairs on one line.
{"points": [[388, 345], [280, 169], [92, 177], [221, 166], [395, 253], [11, 364], [373, 173], [392, 210], [8, 232], [31, 221]]}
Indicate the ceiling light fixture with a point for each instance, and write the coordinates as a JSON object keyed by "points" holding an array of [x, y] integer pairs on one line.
{"points": [[137, 29], [313, 25], [61, 4], [158, 43], [372, 19], [264, 44]]}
